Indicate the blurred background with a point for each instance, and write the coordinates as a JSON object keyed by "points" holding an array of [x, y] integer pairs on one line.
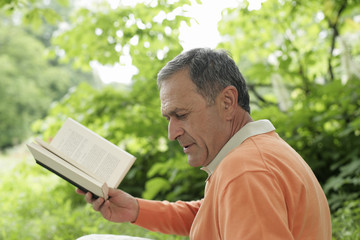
{"points": [[97, 61]]}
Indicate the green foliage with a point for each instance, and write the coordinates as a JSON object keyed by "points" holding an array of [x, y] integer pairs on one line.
{"points": [[292, 41], [301, 64], [33, 13], [38, 205], [301, 61], [346, 221], [146, 31], [129, 117], [29, 83], [21, 84]]}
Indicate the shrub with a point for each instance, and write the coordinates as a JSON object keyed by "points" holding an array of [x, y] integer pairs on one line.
{"points": [[38, 205], [346, 221]]}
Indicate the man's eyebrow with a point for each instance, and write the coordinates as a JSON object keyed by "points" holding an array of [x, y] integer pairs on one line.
{"points": [[174, 112]]}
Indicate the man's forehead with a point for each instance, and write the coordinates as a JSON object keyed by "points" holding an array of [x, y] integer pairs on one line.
{"points": [[178, 92], [173, 102]]}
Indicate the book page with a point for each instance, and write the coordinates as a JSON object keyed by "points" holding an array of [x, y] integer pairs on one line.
{"points": [[96, 154], [66, 158]]}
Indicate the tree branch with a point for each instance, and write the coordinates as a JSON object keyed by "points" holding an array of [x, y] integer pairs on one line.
{"points": [[334, 27], [257, 95]]}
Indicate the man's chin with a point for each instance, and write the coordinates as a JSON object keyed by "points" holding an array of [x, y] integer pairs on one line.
{"points": [[194, 162]]}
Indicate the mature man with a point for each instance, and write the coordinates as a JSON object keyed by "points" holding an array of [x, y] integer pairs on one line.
{"points": [[258, 187]]}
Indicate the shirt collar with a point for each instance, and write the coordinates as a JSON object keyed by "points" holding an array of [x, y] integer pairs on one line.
{"points": [[249, 130]]}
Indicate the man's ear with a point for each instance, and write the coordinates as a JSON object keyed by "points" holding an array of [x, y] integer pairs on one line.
{"points": [[229, 101]]}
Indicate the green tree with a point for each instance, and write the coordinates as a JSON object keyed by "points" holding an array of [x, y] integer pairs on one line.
{"points": [[21, 70], [148, 32], [34, 12], [301, 63], [30, 80], [29, 83]]}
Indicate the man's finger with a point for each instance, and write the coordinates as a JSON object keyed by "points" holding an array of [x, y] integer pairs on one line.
{"points": [[89, 197], [98, 203], [79, 191]]}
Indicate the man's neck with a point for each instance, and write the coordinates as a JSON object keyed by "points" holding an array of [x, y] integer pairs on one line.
{"points": [[240, 119]]}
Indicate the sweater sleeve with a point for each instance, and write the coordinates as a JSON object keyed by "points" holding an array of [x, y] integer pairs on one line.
{"points": [[167, 217]]}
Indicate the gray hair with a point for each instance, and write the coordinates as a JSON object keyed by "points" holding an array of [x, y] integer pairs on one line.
{"points": [[211, 71]]}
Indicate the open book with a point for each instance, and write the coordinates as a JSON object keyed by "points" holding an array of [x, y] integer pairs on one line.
{"points": [[83, 158]]}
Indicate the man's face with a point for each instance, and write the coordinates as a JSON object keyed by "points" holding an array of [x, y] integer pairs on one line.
{"points": [[197, 126]]}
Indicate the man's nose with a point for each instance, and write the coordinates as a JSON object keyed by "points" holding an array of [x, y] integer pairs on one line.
{"points": [[174, 129]]}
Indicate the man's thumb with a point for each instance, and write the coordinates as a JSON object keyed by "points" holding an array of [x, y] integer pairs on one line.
{"points": [[112, 192]]}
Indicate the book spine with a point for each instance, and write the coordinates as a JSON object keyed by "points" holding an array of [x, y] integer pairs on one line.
{"points": [[66, 179]]}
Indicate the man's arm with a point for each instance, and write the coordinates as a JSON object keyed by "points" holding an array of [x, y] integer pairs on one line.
{"points": [[160, 216], [167, 217]]}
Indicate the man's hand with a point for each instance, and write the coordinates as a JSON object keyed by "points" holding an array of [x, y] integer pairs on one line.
{"points": [[120, 207]]}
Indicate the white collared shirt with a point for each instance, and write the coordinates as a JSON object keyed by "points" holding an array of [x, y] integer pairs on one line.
{"points": [[249, 130]]}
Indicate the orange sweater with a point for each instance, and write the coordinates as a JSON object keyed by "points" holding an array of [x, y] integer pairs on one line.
{"points": [[262, 189]]}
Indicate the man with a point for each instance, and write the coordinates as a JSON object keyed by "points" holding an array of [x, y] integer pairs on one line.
{"points": [[258, 187]]}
